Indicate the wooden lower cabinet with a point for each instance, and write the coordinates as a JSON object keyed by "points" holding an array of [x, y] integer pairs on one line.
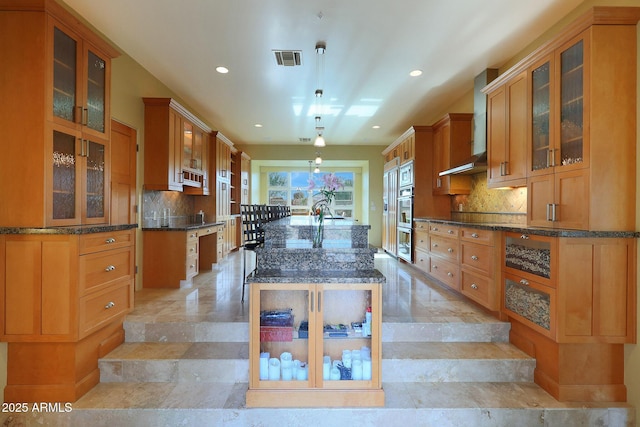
{"points": [[174, 257], [572, 306], [65, 300], [480, 266], [318, 305]]}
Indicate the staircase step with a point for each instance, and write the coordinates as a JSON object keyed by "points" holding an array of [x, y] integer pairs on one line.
{"points": [[455, 362], [401, 362], [485, 331], [441, 404]]}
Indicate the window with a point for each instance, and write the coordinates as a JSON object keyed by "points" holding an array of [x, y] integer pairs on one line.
{"points": [[292, 189]]}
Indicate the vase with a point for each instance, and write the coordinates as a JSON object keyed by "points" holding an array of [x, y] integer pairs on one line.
{"points": [[319, 232]]}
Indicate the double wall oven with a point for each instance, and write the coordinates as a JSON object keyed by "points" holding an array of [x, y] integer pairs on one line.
{"points": [[405, 213]]}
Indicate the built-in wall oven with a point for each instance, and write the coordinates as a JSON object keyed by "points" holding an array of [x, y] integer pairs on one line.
{"points": [[405, 219]]}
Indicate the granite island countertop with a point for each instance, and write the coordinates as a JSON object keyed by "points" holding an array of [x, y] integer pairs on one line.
{"points": [[539, 231]]}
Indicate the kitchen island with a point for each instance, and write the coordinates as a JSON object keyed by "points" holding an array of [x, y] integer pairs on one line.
{"points": [[315, 317]]}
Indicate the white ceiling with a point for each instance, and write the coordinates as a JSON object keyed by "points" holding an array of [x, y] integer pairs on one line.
{"points": [[372, 45]]}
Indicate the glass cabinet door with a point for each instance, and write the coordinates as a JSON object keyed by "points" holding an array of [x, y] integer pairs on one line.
{"points": [[96, 92], [95, 156], [65, 50], [65, 177], [187, 146], [286, 322], [344, 353], [571, 105], [541, 107]]}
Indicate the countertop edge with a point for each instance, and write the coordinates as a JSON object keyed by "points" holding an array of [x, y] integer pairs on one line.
{"points": [[185, 227], [78, 229], [549, 232]]}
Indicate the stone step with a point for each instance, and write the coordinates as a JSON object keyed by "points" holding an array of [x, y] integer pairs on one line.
{"points": [[401, 362], [409, 404], [487, 331]]}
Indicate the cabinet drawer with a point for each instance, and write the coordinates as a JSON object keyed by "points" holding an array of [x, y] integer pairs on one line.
{"points": [[476, 235], [421, 260], [444, 230], [104, 241], [98, 309], [445, 271], [479, 257], [478, 288], [192, 247], [531, 303], [192, 266], [421, 240], [421, 225], [192, 235], [441, 246], [102, 268], [207, 230]]}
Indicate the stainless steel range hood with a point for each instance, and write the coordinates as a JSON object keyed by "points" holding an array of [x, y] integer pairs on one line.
{"points": [[474, 164], [478, 162]]}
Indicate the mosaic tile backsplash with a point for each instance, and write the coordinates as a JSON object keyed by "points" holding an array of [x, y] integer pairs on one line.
{"points": [[508, 206]]}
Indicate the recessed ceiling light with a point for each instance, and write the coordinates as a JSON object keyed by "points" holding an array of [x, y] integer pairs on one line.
{"points": [[258, 125], [222, 70], [375, 127], [415, 73]]}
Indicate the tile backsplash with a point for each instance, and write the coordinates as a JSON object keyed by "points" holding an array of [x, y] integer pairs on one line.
{"points": [[504, 206], [154, 203]]}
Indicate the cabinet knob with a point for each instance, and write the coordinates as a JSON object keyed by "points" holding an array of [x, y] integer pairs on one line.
{"points": [[450, 250], [435, 267], [109, 305], [524, 236], [450, 231], [110, 240], [434, 229], [474, 257], [474, 286], [474, 235], [450, 274], [435, 245], [110, 268], [524, 282]]}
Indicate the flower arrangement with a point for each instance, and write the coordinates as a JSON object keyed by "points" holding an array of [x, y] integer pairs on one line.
{"points": [[330, 184]]}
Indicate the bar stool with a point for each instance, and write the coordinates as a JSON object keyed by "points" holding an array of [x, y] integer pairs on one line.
{"points": [[252, 237]]}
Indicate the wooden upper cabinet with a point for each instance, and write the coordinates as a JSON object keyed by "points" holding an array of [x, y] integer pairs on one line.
{"points": [[61, 73], [176, 148], [507, 133], [452, 136], [581, 123]]}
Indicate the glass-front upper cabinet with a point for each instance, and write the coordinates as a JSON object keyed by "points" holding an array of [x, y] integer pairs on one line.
{"points": [[557, 113], [80, 83], [78, 180], [187, 146]]}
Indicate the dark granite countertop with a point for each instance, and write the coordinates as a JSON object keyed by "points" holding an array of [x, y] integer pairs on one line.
{"points": [[315, 276], [73, 229], [180, 226], [538, 231]]}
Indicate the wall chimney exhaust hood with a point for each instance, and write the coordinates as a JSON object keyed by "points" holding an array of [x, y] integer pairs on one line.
{"points": [[478, 162], [474, 164]]}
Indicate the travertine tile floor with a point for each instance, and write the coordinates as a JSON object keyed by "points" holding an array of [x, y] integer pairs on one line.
{"points": [[170, 337]]}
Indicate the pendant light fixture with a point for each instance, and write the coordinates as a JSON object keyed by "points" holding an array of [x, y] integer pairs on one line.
{"points": [[318, 158], [321, 48]]}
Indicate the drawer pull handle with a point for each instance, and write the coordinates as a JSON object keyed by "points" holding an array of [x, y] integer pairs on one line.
{"points": [[449, 250], [474, 257], [190, 249], [434, 229], [435, 267], [110, 240], [435, 245], [192, 235], [450, 231], [109, 305], [474, 235], [192, 266], [524, 236], [110, 268], [474, 286], [450, 274], [524, 282]]}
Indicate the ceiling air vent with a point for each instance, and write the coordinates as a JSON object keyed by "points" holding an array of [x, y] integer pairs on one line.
{"points": [[288, 58]]}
